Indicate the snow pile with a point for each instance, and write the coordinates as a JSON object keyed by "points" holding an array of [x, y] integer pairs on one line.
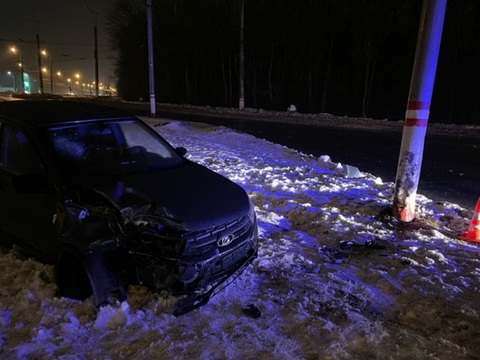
{"points": [[336, 276]]}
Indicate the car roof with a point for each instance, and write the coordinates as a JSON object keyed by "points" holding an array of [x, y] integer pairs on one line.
{"points": [[49, 112]]}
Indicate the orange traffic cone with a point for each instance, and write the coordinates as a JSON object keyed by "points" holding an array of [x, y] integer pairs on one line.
{"points": [[473, 233]]}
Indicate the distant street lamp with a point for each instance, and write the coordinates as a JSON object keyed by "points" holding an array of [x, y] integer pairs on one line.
{"points": [[44, 53], [69, 84], [14, 81], [77, 81], [14, 50], [39, 55], [95, 51]]}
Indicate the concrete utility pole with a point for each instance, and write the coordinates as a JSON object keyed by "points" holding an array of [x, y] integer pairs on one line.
{"points": [[20, 59], [39, 55], [95, 55], [22, 76], [241, 70], [95, 51], [51, 75], [151, 69], [418, 109]]}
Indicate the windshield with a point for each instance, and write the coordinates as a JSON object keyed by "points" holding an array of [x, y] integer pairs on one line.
{"points": [[110, 148]]}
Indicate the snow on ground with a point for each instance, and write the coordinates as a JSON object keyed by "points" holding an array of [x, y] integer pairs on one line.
{"points": [[336, 276]]}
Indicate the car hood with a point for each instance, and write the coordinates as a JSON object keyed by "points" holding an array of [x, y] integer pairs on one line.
{"points": [[191, 195]]}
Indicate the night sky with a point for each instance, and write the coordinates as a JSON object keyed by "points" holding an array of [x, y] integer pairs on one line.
{"points": [[344, 57], [66, 32]]}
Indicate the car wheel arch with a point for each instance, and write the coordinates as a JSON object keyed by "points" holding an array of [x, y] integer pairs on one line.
{"points": [[71, 276], [80, 275]]}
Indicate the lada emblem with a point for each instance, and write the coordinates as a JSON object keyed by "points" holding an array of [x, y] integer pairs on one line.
{"points": [[225, 240]]}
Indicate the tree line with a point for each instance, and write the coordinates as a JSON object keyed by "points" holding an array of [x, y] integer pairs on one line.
{"points": [[344, 57]]}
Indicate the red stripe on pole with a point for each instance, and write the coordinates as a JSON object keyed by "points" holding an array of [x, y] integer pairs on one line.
{"points": [[418, 105], [416, 122], [417, 113]]}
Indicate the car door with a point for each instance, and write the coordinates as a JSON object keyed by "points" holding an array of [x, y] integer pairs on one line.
{"points": [[27, 203]]}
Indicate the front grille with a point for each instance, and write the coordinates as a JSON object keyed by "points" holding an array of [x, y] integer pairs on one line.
{"points": [[204, 243]]}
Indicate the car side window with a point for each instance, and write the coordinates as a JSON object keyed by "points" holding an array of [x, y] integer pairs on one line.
{"points": [[16, 153]]}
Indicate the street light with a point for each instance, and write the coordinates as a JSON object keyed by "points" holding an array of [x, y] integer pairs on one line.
{"points": [[14, 81], [69, 84], [95, 52], [39, 56], [14, 50], [59, 75], [44, 69]]}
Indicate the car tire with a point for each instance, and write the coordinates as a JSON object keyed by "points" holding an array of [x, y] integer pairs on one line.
{"points": [[71, 277]]}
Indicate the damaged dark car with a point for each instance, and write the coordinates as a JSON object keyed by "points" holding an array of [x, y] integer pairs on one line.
{"points": [[102, 196]]}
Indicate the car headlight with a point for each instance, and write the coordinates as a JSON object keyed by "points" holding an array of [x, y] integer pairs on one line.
{"points": [[162, 246]]}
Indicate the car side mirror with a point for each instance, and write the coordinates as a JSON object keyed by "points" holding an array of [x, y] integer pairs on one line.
{"points": [[181, 151], [32, 183]]}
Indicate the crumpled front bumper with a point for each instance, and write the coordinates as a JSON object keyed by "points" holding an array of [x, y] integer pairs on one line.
{"points": [[212, 287], [214, 273]]}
